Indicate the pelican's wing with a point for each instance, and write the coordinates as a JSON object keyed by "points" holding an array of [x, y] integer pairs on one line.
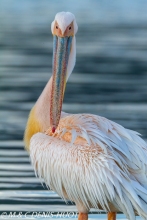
{"points": [[96, 161]]}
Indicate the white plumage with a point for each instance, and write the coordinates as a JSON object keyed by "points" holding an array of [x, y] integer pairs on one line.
{"points": [[96, 161]]}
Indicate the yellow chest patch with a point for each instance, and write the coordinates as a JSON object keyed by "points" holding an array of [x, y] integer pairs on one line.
{"points": [[32, 127]]}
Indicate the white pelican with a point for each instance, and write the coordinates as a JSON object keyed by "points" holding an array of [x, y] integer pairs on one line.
{"points": [[85, 158]]}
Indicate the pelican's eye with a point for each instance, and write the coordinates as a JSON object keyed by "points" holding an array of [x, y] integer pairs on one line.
{"points": [[69, 28], [56, 27]]}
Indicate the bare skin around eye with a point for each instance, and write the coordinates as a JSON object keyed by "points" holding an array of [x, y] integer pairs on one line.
{"points": [[68, 32]]}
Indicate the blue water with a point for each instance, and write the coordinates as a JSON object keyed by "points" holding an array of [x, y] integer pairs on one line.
{"points": [[109, 79]]}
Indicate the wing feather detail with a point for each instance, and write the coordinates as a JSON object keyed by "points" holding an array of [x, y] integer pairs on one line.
{"points": [[96, 161]]}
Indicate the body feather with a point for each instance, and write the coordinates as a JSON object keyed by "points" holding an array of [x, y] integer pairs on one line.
{"points": [[93, 160]]}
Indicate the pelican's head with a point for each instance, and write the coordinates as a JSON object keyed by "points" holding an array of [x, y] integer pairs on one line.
{"points": [[63, 28], [64, 25]]}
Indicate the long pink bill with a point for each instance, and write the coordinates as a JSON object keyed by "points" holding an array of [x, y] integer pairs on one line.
{"points": [[61, 51]]}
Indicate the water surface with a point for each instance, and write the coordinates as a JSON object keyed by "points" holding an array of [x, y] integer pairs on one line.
{"points": [[109, 79]]}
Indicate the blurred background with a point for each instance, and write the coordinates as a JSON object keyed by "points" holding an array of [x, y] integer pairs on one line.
{"points": [[109, 79]]}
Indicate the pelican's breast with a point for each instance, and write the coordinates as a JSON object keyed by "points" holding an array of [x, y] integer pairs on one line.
{"points": [[92, 160], [72, 165], [33, 126]]}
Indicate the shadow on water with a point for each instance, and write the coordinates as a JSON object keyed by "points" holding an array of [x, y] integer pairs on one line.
{"points": [[109, 79]]}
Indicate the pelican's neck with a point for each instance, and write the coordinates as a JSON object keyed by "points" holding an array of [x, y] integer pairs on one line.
{"points": [[42, 106], [39, 120], [72, 58]]}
